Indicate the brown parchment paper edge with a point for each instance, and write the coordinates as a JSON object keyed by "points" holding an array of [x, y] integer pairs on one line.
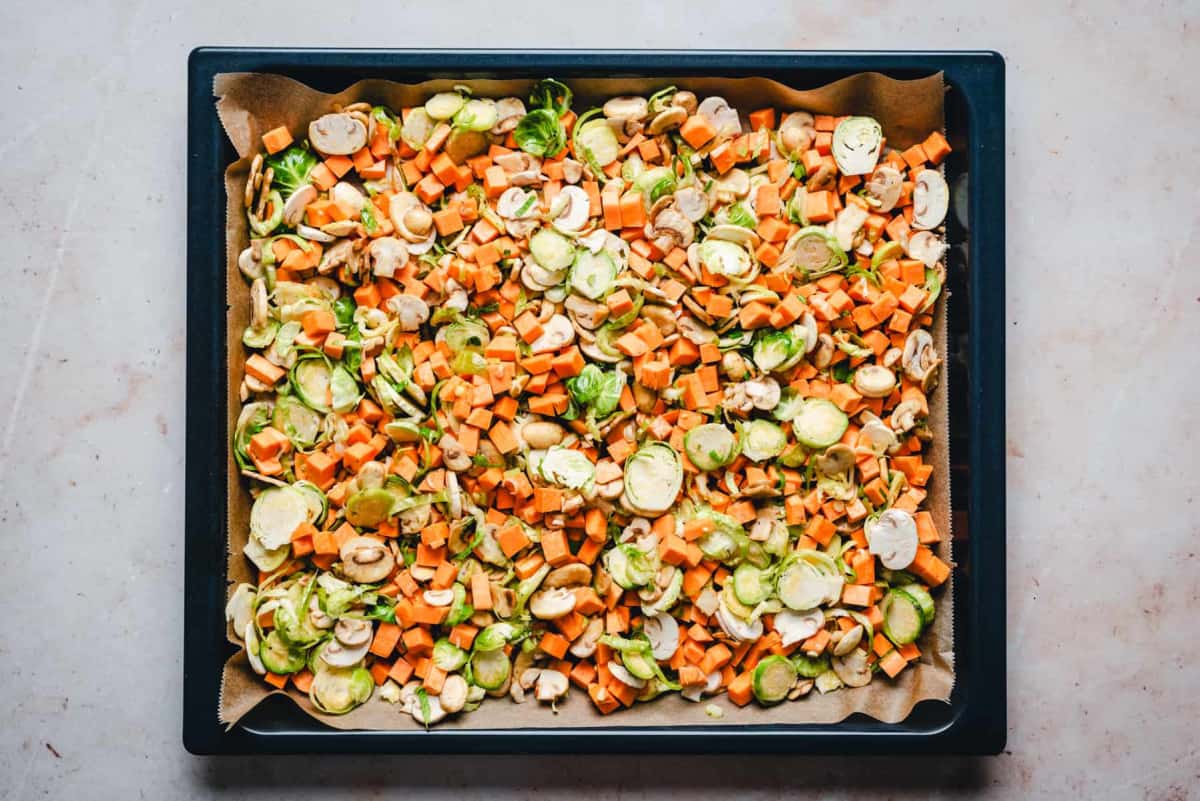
{"points": [[250, 104]]}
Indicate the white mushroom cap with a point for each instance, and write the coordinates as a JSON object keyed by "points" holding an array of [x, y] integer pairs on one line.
{"points": [[347, 196], [352, 631], [388, 254], [893, 538], [926, 247], [720, 115]]}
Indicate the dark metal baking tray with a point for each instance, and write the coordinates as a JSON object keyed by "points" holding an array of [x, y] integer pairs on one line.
{"points": [[973, 722]]}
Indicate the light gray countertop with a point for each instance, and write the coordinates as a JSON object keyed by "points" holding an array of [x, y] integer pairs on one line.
{"points": [[1103, 309]]}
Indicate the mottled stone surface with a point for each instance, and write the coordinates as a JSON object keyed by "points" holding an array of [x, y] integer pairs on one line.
{"points": [[1103, 313]]}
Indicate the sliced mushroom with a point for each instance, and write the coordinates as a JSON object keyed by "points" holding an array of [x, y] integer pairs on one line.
{"points": [[293, 209], [904, 416], [873, 381], [847, 225], [410, 311], [737, 628], [453, 696], [674, 226], [387, 254], [824, 178], [570, 209], [849, 641], [797, 131], [622, 674], [509, 111], [557, 333], [551, 685], [667, 120], [316, 234], [259, 304], [438, 597], [552, 603], [572, 575], [585, 645], [585, 312], [337, 134], [794, 627], [627, 107], [823, 354], [249, 263], [836, 460], [663, 633], [691, 203], [433, 705], [720, 115], [884, 188], [366, 560], [694, 331], [253, 180], [335, 653], [926, 247], [893, 538], [853, 669], [572, 170], [352, 631], [764, 392], [880, 439], [516, 203], [346, 196], [454, 456], [733, 184], [931, 199], [919, 354], [317, 616], [541, 434]]}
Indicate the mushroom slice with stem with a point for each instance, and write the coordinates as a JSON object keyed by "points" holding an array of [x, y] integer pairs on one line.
{"points": [[293, 209], [853, 669], [509, 111], [663, 632], [794, 627], [453, 696], [796, 134], [410, 311], [884, 188], [720, 115], [570, 209], [669, 119], [879, 438], [873, 381], [919, 355], [550, 686], [387, 254], [517, 203], [672, 224], [585, 644], [366, 560], [893, 538], [931, 199], [904, 416], [337, 134], [926, 247], [552, 603], [557, 333], [691, 203]]}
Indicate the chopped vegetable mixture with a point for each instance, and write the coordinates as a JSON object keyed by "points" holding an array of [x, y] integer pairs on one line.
{"points": [[631, 399]]}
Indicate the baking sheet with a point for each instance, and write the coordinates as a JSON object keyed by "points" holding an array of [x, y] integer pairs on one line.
{"points": [[251, 104]]}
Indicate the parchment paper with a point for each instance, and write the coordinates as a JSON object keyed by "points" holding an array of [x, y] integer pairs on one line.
{"points": [[251, 104]]}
